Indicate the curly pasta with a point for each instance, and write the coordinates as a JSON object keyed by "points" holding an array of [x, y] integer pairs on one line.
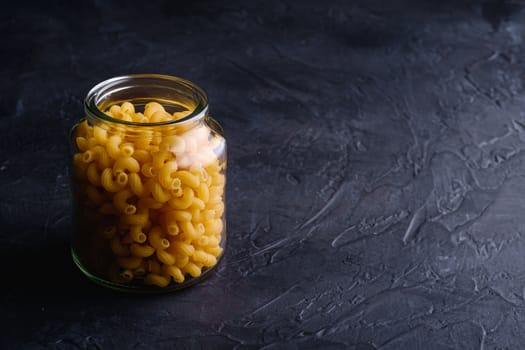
{"points": [[158, 195]]}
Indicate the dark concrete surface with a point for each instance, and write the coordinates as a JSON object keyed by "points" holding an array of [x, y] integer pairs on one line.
{"points": [[376, 192]]}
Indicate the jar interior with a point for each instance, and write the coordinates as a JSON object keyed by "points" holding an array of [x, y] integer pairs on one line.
{"points": [[175, 94]]}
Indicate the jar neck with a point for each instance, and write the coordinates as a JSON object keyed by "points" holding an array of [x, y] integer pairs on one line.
{"points": [[175, 94]]}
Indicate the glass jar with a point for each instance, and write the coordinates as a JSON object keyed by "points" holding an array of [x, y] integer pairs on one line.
{"points": [[148, 185]]}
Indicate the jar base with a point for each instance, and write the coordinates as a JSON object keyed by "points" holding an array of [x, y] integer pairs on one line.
{"points": [[143, 289]]}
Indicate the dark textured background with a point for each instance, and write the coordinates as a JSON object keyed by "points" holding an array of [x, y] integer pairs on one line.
{"points": [[376, 173]]}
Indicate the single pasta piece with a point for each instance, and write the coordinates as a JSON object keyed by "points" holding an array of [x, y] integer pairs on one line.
{"points": [[166, 173], [213, 227], [172, 228], [120, 201], [183, 202], [142, 251], [208, 214], [174, 272], [181, 248], [156, 280], [128, 164], [115, 110], [140, 219], [97, 154], [83, 129], [181, 260], [141, 155], [208, 241], [203, 192], [192, 269], [177, 215], [198, 204], [157, 192], [189, 230], [110, 184], [136, 234], [93, 175], [127, 107], [188, 178], [156, 240], [159, 116], [165, 257], [196, 214], [213, 168], [148, 170], [152, 107], [127, 149], [140, 118], [100, 135], [82, 143], [216, 191], [177, 192], [135, 184], [159, 158], [215, 251], [91, 142], [206, 259], [113, 146], [218, 208], [218, 180]]}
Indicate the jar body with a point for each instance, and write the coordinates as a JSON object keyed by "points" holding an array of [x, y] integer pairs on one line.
{"points": [[149, 198]]}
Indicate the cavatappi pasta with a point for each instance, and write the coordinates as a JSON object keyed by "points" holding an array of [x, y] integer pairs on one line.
{"points": [[156, 196]]}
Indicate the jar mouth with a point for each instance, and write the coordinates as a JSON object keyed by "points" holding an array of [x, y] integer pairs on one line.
{"points": [[147, 87]]}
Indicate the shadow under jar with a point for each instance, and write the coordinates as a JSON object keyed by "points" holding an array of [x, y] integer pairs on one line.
{"points": [[148, 185]]}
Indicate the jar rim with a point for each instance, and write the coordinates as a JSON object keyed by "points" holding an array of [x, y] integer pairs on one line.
{"points": [[100, 90]]}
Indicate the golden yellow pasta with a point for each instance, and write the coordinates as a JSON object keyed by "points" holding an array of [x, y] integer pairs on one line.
{"points": [[127, 163], [100, 135], [159, 196], [113, 146], [184, 201], [193, 269], [120, 201], [165, 257], [156, 280], [188, 178], [110, 184], [142, 251], [137, 235], [156, 240], [174, 272], [135, 184]]}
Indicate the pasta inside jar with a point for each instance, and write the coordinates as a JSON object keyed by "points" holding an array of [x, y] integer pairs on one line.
{"points": [[148, 186]]}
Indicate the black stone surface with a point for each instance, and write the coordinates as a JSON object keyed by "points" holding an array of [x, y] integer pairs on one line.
{"points": [[376, 173]]}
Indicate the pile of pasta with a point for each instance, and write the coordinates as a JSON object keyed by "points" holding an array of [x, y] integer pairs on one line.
{"points": [[150, 200]]}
